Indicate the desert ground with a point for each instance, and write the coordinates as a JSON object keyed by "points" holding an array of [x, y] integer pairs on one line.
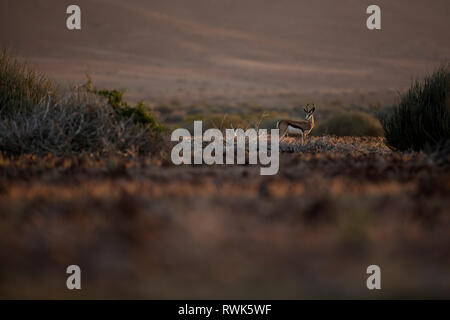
{"points": [[144, 228]]}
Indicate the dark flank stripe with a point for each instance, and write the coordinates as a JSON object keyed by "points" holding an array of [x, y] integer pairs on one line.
{"points": [[305, 126]]}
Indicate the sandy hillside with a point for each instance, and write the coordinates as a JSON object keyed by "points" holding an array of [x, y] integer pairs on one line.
{"points": [[264, 51]]}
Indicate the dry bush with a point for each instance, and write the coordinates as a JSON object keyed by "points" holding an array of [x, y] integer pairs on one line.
{"points": [[352, 123], [37, 118], [421, 121], [75, 125]]}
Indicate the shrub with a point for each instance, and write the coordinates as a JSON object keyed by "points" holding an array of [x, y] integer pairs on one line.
{"points": [[36, 118], [21, 87], [139, 113], [421, 121], [352, 123], [76, 125]]}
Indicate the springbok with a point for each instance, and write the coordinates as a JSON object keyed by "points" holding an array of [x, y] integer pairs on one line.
{"points": [[302, 127]]}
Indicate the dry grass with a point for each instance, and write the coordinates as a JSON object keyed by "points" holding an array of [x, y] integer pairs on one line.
{"points": [[76, 124], [143, 228], [354, 123], [37, 117], [21, 87], [360, 145]]}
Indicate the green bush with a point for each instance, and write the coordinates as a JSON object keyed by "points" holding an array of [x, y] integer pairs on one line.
{"points": [[138, 113], [421, 121], [352, 123], [21, 88]]}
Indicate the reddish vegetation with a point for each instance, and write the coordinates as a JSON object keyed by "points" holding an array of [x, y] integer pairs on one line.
{"points": [[142, 228]]}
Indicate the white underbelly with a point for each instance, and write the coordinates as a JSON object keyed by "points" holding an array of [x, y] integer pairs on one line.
{"points": [[293, 130]]}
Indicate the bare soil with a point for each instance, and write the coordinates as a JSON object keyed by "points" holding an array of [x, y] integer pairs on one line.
{"points": [[143, 228]]}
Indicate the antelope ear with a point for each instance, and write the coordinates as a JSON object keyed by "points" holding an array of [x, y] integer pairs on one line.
{"points": [[313, 109]]}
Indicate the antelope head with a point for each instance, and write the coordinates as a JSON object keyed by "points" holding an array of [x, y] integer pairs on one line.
{"points": [[309, 110]]}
